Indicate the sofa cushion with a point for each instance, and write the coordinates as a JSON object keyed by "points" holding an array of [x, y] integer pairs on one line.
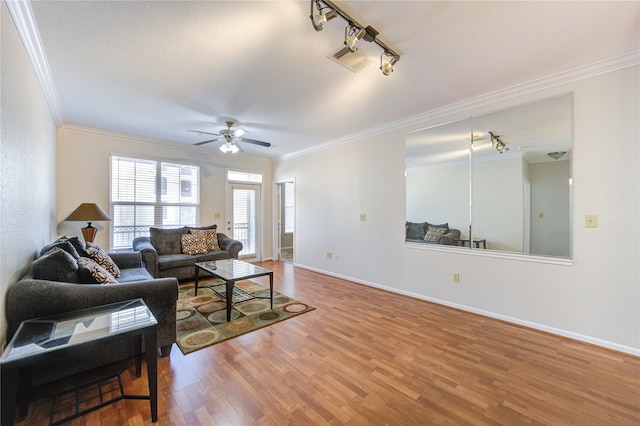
{"points": [[415, 231], [194, 244], [167, 241], [170, 261], [134, 274], [55, 265], [210, 236], [90, 272], [62, 243], [103, 259]]}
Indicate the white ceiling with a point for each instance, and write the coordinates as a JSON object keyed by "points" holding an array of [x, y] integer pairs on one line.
{"points": [[158, 68]]}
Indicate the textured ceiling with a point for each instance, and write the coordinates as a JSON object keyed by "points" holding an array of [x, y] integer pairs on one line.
{"points": [[158, 68]]}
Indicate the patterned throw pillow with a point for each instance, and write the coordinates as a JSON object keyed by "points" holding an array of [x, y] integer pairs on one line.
{"points": [[434, 234], [210, 236], [90, 272], [103, 259], [193, 244]]}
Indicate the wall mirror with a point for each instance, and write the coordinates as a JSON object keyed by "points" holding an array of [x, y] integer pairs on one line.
{"points": [[499, 181]]}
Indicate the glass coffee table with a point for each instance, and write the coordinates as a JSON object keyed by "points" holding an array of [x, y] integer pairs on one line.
{"points": [[37, 339], [230, 271]]}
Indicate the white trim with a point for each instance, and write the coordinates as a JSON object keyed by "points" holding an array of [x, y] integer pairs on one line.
{"points": [[541, 327], [22, 16], [601, 67]]}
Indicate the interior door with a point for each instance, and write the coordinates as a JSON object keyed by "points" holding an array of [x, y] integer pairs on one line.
{"points": [[245, 224]]}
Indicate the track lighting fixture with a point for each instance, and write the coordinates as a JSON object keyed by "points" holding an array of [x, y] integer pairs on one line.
{"points": [[387, 67], [351, 37], [325, 10], [501, 147]]}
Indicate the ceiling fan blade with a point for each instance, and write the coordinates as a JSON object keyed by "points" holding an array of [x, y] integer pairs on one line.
{"points": [[203, 133], [255, 142], [203, 142]]}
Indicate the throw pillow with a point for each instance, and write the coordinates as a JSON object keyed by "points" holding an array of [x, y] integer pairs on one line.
{"points": [[90, 272], [193, 244], [103, 259], [55, 265], [167, 241], [78, 245], [415, 231], [434, 233], [62, 243], [210, 237]]}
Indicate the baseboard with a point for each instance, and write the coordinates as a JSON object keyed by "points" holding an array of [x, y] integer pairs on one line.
{"points": [[540, 327]]}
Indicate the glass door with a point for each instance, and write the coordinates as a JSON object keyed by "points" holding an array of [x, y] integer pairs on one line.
{"points": [[245, 222]]}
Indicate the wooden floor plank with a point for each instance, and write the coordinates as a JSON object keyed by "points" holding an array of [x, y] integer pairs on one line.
{"points": [[366, 356]]}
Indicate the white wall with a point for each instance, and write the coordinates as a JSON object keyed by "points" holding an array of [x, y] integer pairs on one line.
{"points": [[83, 176], [27, 164], [595, 299]]}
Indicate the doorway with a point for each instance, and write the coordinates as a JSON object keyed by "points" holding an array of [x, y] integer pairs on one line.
{"points": [[245, 219], [285, 220]]}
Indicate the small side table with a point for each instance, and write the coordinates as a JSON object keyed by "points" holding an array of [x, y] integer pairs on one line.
{"points": [[465, 241], [37, 339]]}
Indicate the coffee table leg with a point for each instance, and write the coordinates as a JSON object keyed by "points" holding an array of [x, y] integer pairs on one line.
{"points": [[230, 285], [9, 393], [196, 279], [151, 343], [271, 288]]}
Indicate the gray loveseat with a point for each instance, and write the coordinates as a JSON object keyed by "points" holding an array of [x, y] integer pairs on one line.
{"points": [[425, 232], [165, 255], [54, 285]]}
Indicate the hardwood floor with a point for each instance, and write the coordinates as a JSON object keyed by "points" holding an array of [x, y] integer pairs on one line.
{"points": [[369, 357]]}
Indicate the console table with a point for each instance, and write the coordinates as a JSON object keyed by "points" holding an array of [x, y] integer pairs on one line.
{"points": [[467, 242], [36, 339]]}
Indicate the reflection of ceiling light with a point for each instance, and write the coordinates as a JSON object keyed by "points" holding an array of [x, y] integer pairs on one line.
{"points": [[501, 147], [556, 155]]}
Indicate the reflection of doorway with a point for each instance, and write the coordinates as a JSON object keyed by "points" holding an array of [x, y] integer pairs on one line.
{"points": [[285, 223]]}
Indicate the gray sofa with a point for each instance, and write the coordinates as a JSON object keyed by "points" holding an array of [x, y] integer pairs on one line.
{"points": [[428, 233], [164, 255], [53, 286]]}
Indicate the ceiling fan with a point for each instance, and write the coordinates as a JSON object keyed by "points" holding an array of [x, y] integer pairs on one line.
{"points": [[231, 139]]}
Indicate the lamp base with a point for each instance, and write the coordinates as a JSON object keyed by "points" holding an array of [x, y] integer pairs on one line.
{"points": [[89, 233]]}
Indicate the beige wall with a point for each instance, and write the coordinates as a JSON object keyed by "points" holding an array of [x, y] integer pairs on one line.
{"points": [[83, 176], [27, 164], [595, 299]]}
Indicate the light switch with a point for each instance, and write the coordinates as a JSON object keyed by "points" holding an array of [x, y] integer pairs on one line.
{"points": [[216, 215], [363, 217], [541, 215], [591, 221]]}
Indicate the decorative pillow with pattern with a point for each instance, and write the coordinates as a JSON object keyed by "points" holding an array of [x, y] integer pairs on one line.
{"points": [[90, 272], [210, 236], [103, 259], [193, 244], [434, 234]]}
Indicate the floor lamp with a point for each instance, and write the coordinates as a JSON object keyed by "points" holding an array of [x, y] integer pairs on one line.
{"points": [[88, 212]]}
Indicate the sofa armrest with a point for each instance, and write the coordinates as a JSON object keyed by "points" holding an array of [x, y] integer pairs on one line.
{"points": [[24, 300], [229, 244], [149, 254], [127, 259], [450, 237]]}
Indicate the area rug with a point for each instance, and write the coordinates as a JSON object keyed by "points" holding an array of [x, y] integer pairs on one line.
{"points": [[201, 319]]}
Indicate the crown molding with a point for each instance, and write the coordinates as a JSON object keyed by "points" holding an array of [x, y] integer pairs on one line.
{"points": [[92, 131], [22, 16], [597, 68]]}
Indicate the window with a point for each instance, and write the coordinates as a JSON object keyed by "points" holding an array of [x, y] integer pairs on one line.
{"points": [[147, 193]]}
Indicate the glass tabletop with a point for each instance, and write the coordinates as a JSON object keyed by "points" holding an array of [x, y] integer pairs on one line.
{"points": [[60, 331], [233, 269]]}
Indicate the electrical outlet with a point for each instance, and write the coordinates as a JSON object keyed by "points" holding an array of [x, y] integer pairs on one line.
{"points": [[591, 221], [329, 255], [216, 215], [456, 277], [363, 217], [337, 257]]}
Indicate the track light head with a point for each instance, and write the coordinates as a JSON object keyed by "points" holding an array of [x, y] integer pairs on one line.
{"points": [[351, 36], [501, 147], [387, 67], [318, 19]]}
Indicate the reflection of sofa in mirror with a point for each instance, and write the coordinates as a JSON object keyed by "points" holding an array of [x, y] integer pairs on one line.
{"points": [[425, 232]]}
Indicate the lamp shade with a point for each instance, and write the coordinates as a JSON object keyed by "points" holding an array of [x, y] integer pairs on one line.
{"points": [[88, 212]]}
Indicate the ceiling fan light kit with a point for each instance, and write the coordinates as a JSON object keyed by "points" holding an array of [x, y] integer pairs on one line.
{"points": [[354, 32]]}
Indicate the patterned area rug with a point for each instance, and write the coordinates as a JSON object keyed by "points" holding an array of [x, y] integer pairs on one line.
{"points": [[201, 320]]}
